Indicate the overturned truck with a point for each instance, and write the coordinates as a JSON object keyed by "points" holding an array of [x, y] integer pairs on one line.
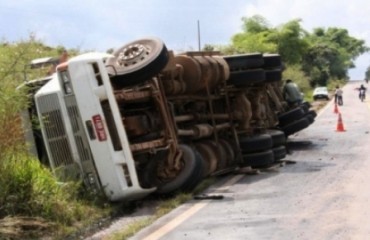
{"points": [[144, 119]]}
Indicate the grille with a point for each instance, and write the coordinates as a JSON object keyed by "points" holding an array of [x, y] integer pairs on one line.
{"points": [[78, 130], [52, 120]]}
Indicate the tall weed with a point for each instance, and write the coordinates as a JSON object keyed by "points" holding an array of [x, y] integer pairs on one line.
{"points": [[28, 190]]}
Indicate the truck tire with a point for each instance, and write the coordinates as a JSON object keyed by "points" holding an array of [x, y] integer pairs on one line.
{"points": [[272, 61], [274, 75], [295, 126], [305, 107], [137, 61], [198, 174], [310, 118], [279, 153], [244, 61], [258, 159], [278, 137], [312, 113], [307, 104], [245, 78], [191, 166], [290, 116], [255, 143]]}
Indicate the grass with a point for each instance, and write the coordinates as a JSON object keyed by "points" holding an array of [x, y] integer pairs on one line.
{"points": [[32, 201], [31, 198]]}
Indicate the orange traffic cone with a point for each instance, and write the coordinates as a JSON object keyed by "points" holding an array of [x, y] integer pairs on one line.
{"points": [[336, 108], [340, 127]]}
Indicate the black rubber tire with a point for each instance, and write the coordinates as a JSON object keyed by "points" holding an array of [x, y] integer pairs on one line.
{"points": [[279, 152], [274, 75], [255, 143], [272, 61], [190, 170], [290, 116], [258, 159], [312, 113], [295, 126], [148, 173], [150, 56], [244, 61], [310, 118], [246, 77], [305, 108], [278, 137], [198, 175], [306, 104]]}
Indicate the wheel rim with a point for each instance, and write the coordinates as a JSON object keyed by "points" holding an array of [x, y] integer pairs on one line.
{"points": [[132, 53], [136, 55]]}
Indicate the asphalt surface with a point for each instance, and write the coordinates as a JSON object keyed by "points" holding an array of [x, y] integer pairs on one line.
{"points": [[324, 195]]}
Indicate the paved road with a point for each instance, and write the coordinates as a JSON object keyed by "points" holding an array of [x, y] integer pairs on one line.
{"points": [[325, 195]]}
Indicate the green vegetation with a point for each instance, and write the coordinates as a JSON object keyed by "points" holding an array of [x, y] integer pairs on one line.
{"points": [[367, 73], [31, 199], [312, 59], [30, 191]]}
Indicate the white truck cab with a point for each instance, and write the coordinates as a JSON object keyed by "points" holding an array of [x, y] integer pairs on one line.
{"points": [[75, 130]]}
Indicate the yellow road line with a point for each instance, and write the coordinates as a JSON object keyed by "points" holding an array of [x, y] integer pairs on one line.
{"points": [[160, 232]]}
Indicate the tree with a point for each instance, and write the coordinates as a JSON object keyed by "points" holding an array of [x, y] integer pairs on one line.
{"points": [[208, 47], [255, 24], [255, 36], [331, 54], [316, 63], [367, 73], [290, 41]]}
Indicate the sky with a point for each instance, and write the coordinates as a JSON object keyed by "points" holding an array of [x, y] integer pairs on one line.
{"points": [[100, 25]]}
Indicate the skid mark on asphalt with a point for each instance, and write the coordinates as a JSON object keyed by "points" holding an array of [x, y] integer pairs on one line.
{"points": [[190, 212]]}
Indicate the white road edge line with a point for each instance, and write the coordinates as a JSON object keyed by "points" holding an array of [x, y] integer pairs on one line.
{"points": [[188, 213], [322, 110]]}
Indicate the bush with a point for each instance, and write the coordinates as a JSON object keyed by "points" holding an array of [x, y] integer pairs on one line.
{"points": [[295, 73], [30, 196], [29, 189]]}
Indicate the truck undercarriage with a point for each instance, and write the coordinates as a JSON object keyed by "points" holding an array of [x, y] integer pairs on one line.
{"points": [[146, 120]]}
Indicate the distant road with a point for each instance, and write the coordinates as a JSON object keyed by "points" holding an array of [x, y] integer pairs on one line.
{"points": [[325, 195]]}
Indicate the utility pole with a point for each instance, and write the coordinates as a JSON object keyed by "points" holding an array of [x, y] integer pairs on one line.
{"points": [[198, 36]]}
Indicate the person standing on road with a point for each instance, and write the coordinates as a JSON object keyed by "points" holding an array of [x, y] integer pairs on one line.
{"points": [[338, 96], [291, 93]]}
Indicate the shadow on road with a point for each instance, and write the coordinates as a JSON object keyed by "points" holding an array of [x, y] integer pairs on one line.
{"points": [[301, 145]]}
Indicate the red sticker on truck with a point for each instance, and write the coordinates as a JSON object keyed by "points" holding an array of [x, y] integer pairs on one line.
{"points": [[99, 128]]}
